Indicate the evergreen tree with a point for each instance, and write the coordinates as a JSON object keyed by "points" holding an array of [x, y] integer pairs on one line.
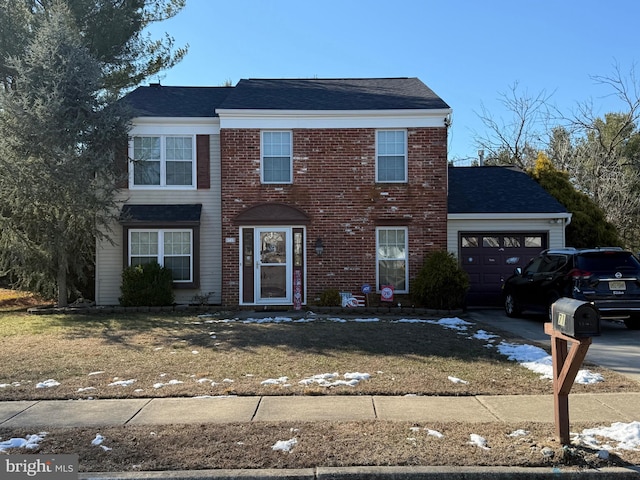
{"points": [[57, 146], [111, 30], [588, 227]]}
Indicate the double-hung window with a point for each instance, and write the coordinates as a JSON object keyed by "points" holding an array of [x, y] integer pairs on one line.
{"points": [[171, 248], [391, 258], [163, 161], [391, 156], [277, 159]]}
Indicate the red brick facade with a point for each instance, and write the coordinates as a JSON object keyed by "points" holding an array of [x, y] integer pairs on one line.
{"points": [[334, 184]]}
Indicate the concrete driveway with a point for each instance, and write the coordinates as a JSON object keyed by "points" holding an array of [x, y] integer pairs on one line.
{"points": [[618, 348]]}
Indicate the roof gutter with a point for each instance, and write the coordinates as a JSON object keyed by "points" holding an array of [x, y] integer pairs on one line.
{"points": [[258, 118], [555, 217]]}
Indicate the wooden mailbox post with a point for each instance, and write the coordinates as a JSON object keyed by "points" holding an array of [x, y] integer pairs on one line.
{"points": [[573, 322]]}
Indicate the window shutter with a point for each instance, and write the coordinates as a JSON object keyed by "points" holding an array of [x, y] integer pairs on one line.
{"points": [[122, 165], [203, 169]]}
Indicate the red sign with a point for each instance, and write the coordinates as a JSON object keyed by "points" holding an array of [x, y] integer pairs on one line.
{"points": [[386, 293]]}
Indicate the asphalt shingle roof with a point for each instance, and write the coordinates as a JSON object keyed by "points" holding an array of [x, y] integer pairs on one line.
{"points": [[497, 190], [160, 101], [285, 94], [333, 94]]}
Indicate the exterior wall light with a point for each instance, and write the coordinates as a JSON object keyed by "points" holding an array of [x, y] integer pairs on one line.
{"points": [[319, 247]]}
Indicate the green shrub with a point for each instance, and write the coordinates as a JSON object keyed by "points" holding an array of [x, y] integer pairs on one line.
{"points": [[330, 298], [147, 285], [441, 282]]}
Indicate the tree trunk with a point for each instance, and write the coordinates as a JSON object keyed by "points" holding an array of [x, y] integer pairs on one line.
{"points": [[62, 279]]}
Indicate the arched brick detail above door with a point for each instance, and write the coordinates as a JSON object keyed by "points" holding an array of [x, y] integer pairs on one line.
{"points": [[272, 213]]}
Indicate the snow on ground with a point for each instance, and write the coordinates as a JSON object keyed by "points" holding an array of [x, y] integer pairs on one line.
{"points": [[31, 442], [617, 436], [478, 441], [626, 434], [538, 360]]}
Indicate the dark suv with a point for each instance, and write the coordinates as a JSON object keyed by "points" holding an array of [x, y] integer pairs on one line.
{"points": [[608, 278]]}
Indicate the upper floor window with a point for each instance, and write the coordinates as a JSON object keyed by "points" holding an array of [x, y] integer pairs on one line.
{"points": [[391, 156], [163, 161], [277, 159]]}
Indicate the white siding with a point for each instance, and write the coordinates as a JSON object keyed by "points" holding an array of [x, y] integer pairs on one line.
{"points": [[554, 230], [109, 257]]}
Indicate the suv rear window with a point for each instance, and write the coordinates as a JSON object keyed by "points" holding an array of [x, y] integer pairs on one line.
{"points": [[607, 261]]}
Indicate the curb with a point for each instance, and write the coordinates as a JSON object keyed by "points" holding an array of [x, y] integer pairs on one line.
{"points": [[373, 473]]}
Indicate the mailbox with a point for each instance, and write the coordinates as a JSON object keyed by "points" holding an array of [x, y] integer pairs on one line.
{"points": [[575, 318]]}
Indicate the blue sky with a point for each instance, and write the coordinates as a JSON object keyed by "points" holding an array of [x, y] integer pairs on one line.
{"points": [[468, 52]]}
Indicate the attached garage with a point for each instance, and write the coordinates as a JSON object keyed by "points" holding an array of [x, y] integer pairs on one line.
{"points": [[499, 218]]}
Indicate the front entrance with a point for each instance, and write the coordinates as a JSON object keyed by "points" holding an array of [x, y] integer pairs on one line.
{"points": [[272, 255], [272, 267]]}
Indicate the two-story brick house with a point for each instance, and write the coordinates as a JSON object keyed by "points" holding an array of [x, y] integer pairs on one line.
{"points": [[272, 191]]}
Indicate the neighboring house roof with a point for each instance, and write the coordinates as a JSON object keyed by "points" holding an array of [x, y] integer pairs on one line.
{"points": [[159, 101], [285, 94], [485, 190], [333, 94], [145, 214]]}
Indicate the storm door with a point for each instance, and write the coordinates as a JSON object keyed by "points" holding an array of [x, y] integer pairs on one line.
{"points": [[273, 247]]}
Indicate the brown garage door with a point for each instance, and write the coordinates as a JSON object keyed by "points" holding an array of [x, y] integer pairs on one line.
{"points": [[490, 257]]}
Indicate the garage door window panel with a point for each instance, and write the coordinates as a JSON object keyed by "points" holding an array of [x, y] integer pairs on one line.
{"points": [[512, 242], [533, 242], [491, 242], [470, 242]]}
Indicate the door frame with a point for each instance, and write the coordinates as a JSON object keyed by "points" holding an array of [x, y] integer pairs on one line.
{"points": [[249, 271], [288, 266]]}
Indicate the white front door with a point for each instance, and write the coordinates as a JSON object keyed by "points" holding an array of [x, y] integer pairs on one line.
{"points": [[273, 247]]}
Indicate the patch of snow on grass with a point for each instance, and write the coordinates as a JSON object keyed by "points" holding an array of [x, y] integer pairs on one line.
{"points": [[478, 441], [538, 360], [626, 434], [48, 384], [457, 380], [31, 442], [123, 383], [285, 445], [329, 379]]}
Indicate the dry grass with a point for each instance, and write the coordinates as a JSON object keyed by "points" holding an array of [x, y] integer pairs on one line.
{"points": [[402, 358], [12, 300], [329, 444]]}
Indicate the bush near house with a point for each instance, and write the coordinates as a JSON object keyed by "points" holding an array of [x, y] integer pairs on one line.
{"points": [[441, 283], [148, 285], [330, 298]]}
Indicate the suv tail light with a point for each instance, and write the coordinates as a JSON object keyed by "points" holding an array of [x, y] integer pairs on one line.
{"points": [[578, 274]]}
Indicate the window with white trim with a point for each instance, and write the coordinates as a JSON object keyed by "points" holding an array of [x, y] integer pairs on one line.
{"points": [[276, 165], [391, 156], [163, 161], [171, 248], [391, 258]]}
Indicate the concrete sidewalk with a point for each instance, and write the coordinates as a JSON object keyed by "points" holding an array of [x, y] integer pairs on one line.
{"points": [[602, 408], [599, 408]]}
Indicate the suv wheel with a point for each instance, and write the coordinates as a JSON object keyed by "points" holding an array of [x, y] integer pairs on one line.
{"points": [[511, 307], [633, 322]]}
